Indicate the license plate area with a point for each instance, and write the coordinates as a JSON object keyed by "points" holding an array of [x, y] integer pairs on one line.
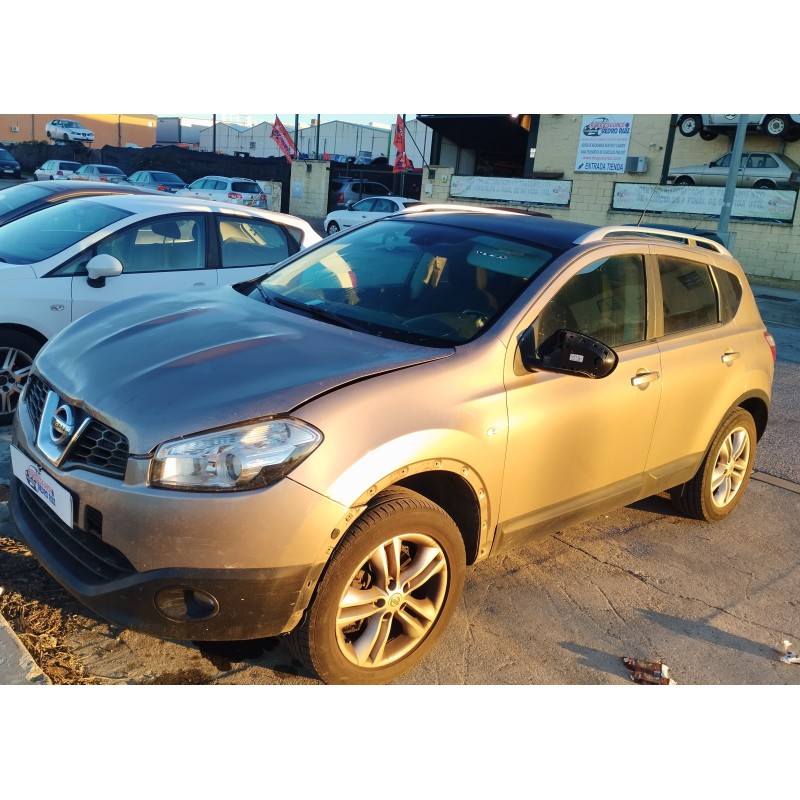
{"points": [[44, 486]]}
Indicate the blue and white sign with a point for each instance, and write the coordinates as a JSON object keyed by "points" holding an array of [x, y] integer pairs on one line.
{"points": [[603, 143]]}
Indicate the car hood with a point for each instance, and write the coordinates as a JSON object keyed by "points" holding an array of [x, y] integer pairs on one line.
{"points": [[13, 272], [162, 366]]}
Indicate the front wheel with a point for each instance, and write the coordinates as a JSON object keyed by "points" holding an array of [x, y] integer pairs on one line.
{"points": [[719, 484], [763, 185], [333, 227], [65, 137], [690, 125], [684, 181], [17, 351], [707, 136], [387, 593]]}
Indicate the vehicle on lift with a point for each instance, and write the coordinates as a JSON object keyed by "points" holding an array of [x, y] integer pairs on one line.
{"points": [[708, 126]]}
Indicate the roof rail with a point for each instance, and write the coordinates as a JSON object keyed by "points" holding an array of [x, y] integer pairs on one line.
{"points": [[610, 231]]}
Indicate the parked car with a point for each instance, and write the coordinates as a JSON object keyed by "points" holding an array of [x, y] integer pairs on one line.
{"points": [[25, 198], [241, 191], [99, 172], [68, 130], [157, 180], [366, 209], [9, 166], [786, 126], [323, 451], [757, 170], [55, 169], [349, 190], [63, 261]]}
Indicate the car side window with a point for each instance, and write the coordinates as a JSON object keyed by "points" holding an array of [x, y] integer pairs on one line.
{"points": [[253, 243], [364, 205], [606, 300], [176, 243], [384, 206], [688, 293]]}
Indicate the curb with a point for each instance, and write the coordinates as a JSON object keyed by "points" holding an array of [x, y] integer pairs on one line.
{"points": [[17, 668]]}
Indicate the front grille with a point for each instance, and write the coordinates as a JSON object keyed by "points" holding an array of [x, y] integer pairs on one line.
{"points": [[99, 449], [90, 559]]}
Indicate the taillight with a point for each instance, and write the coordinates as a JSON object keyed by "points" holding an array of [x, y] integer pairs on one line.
{"points": [[234, 196], [262, 197], [340, 197], [59, 172], [161, 188], [771, 342], [103, 178]]}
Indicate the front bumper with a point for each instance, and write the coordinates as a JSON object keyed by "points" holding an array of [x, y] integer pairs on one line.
{"points": [[235, 604], [177, 565]]}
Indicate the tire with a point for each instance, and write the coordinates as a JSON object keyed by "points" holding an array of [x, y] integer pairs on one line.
{"points": [[707, 135], [719, 484], [764, 185], [66, 138], [390, 626], [17, 351], [683, 180], [774, 125], [333, 227], [690, 125]]}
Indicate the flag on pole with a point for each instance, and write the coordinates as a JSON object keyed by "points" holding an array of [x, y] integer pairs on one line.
{"points": [[283, 140], [400, 135], [401, 161]]}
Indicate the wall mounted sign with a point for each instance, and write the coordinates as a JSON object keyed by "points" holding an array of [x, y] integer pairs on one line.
{"points": [[603, 143], [772, 204], [519, 190]]}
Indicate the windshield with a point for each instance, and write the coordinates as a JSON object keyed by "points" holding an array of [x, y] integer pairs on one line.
{"points": [[415, 281], [43, 234]]}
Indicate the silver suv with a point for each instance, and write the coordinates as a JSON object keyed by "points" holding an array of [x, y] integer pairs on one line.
{"points": [[321, 452]]}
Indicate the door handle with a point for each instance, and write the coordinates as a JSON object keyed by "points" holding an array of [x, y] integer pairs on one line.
{"points": [[730, 356], [643, 377]]}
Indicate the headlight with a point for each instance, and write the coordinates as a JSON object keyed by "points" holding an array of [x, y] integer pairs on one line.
{"points": [[248, 457]]}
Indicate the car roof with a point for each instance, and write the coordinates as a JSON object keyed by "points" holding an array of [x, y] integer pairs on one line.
{"points": [[145, 203], [541, 230]]}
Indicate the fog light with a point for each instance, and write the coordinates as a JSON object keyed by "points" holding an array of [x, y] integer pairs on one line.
{"points": [[186, 605]]}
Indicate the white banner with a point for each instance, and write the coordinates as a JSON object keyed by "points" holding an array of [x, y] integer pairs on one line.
{"points": [[520, 190], [777, 204], [603, 143]]}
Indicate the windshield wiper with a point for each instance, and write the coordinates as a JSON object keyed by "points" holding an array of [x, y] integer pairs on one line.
{"points": [[318, 312]]}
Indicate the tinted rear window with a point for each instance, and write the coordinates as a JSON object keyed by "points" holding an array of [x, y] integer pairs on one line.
{"points": [[73, 165], [110, 171], [245, 187]]}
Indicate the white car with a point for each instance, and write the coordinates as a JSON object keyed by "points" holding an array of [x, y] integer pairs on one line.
{"points": [[54, 170], [68, 130], [241, 191], [97, 250], [785, 126], [364, 210]]}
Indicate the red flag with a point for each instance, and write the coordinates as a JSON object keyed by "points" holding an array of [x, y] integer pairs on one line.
{"points": [[283, 140], [400, 135], [402, 163]]}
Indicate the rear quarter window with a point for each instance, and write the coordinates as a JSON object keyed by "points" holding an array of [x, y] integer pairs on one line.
{"points": [[689, 295], [730, 293]]}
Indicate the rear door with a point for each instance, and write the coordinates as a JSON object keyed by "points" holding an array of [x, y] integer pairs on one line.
{"points": [[702, 357]]}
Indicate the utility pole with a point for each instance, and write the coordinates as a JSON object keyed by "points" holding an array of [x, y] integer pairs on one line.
{"points": [[213, 133], [733, 174]]}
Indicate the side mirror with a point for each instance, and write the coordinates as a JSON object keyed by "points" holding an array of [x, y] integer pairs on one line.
{"points": [[568, 353], [349, 205], [101, 267]]}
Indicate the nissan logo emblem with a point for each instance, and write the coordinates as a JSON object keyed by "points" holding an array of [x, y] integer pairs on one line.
{"points": [[62, 425]]}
